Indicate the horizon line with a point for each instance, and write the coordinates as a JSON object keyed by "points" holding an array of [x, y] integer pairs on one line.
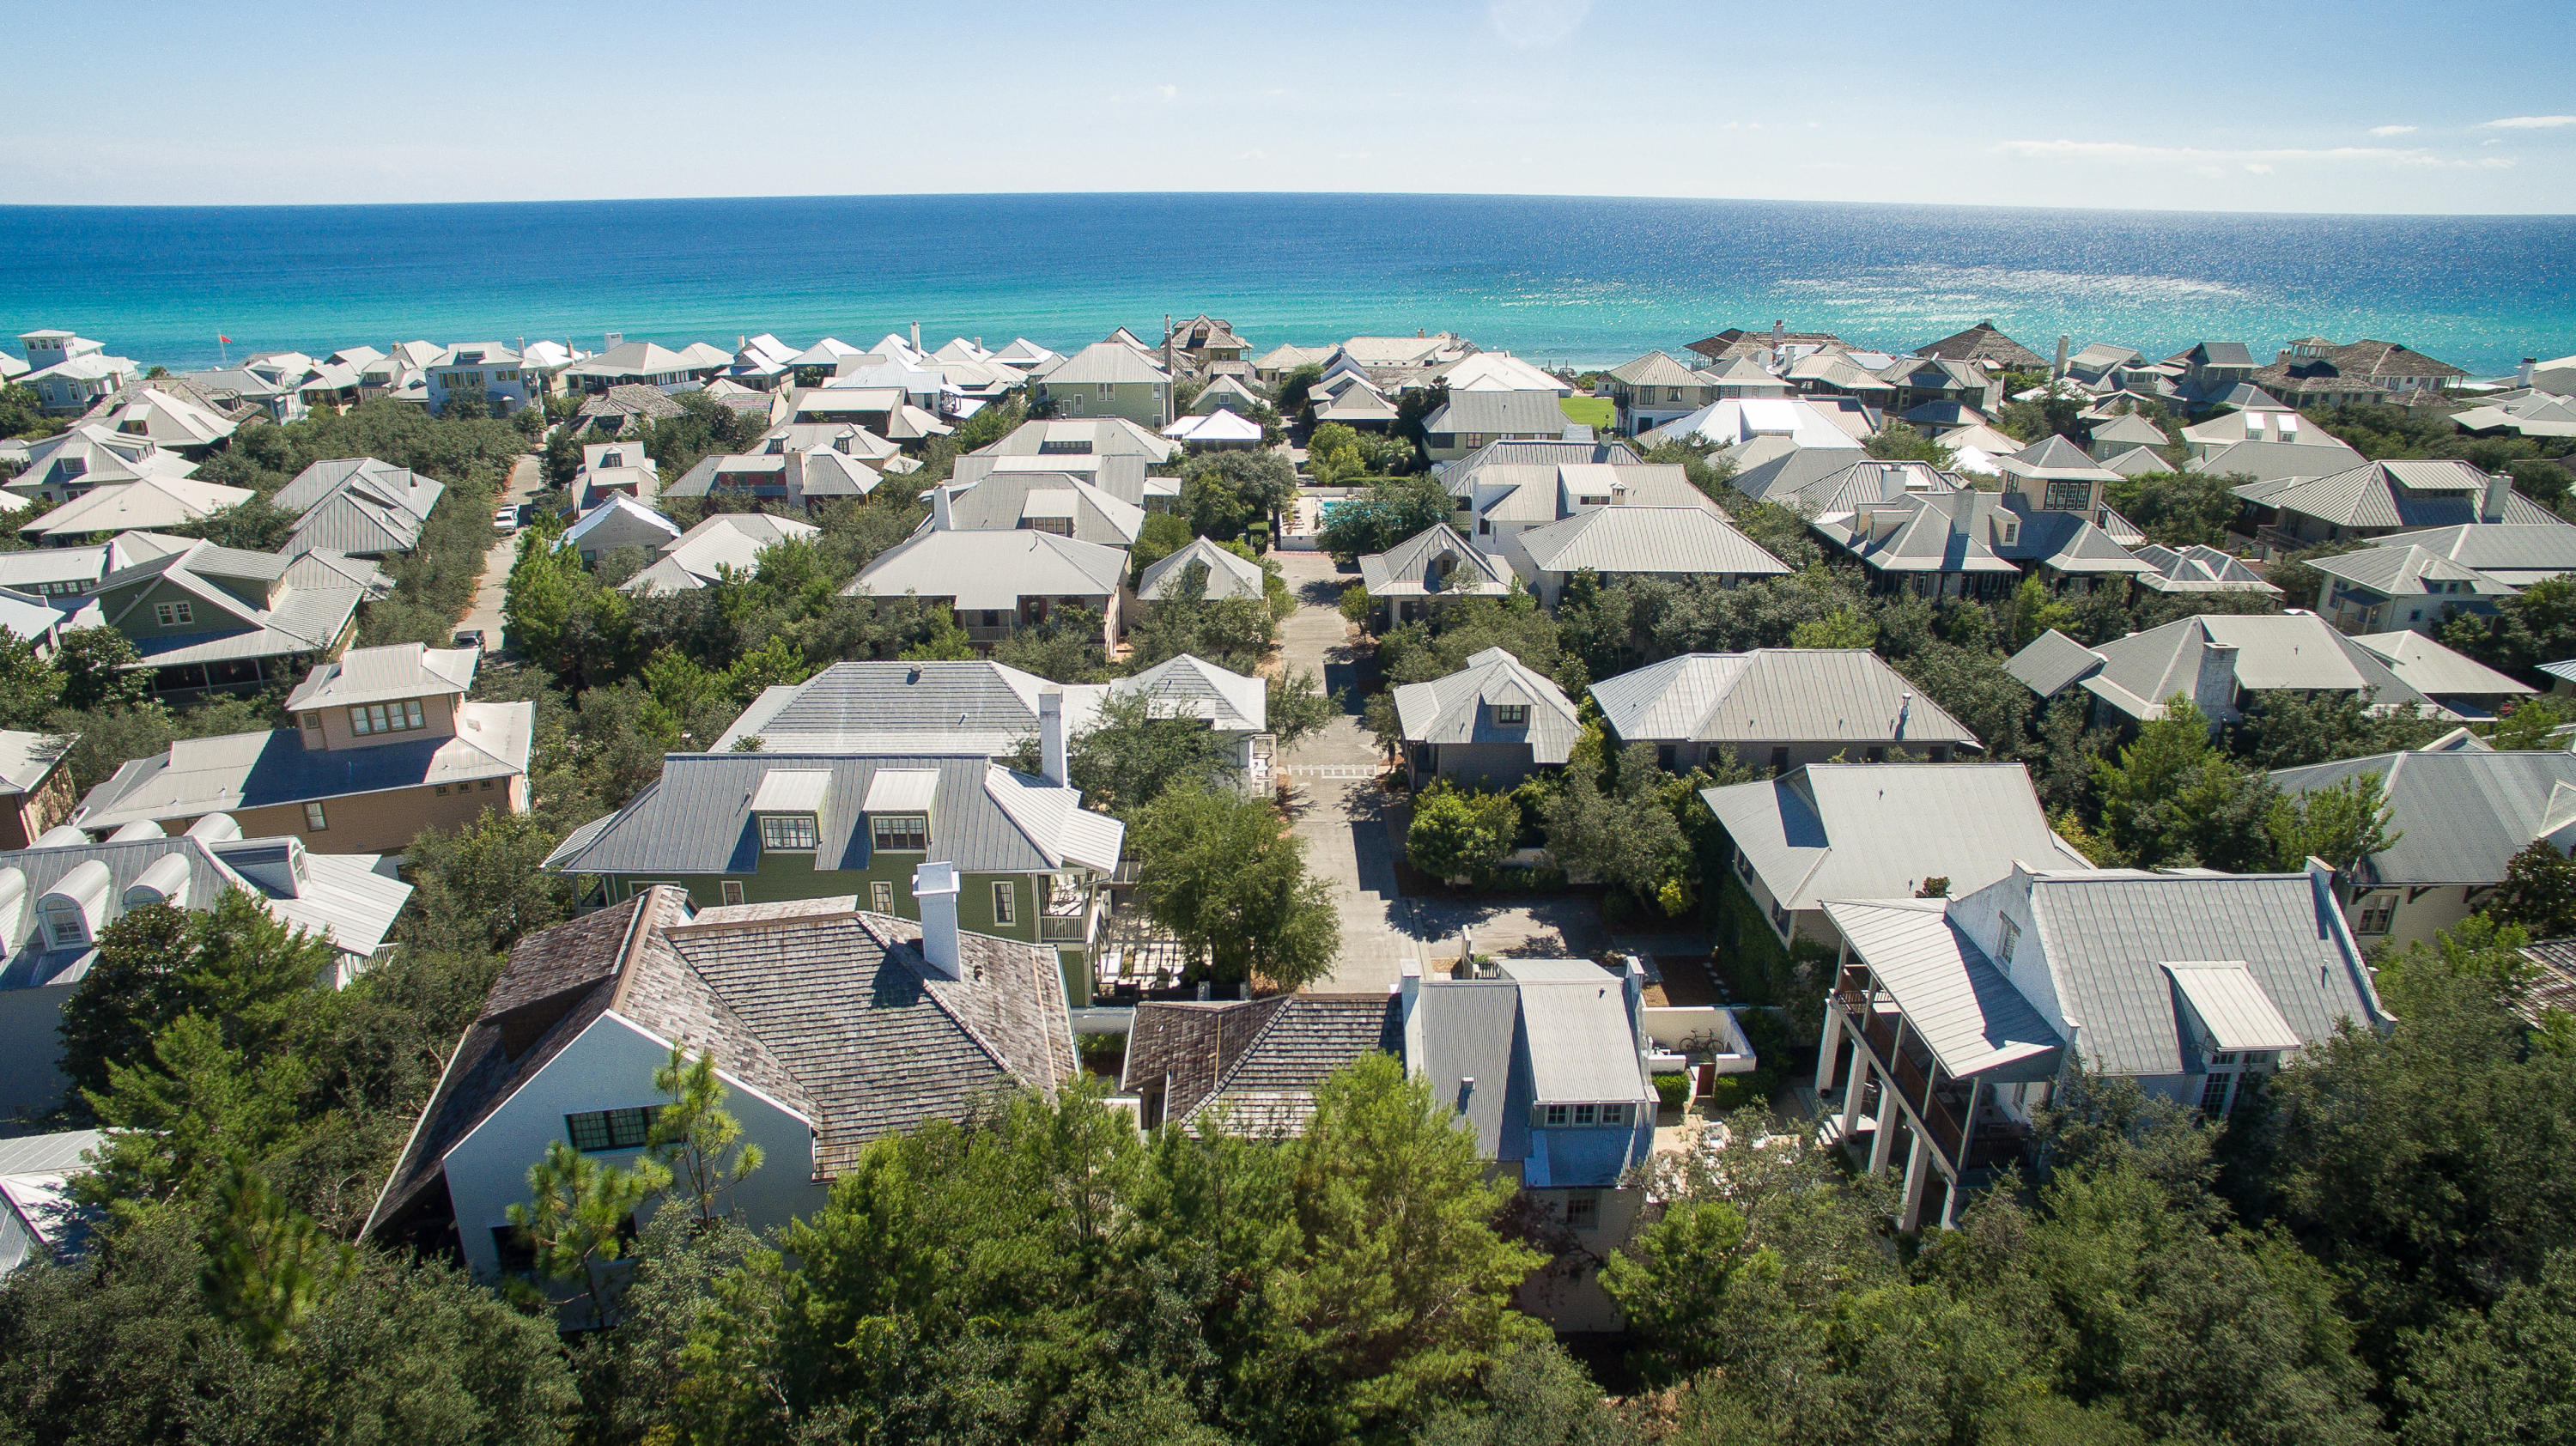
{"points": [[24, 206]]}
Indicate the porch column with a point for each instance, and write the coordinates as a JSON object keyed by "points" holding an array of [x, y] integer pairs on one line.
{"points": [[1853, 1092], [1918, 1171], [1827, 1048], [1881, 1143]]}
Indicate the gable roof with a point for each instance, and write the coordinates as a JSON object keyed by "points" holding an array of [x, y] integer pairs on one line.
{"points": [[1774, 695], [2510, 552], [1186, 685], [2456, 817], [1657, 369], [1879, 830], [2054, 459], [373, 675], [308, 612], [1982, 343], [999, 501], [2436, 671], [2394, 494], [1634, 539], [963, 706], [1521, 413], [2298, 651], [826, 1009], [1256, 1061], [697, 818], [1435, 562], [2407, 568], [2198, 568], [617, 513], [1107, 362], [1229, 574], [1459, 707], [152, 502], [233, 771], [700, 555]]}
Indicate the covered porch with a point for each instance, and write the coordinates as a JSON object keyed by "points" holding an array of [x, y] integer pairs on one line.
{"points": [[1922, 1035]]}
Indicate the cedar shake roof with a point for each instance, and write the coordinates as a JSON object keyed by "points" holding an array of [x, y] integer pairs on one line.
{"points": [[1982, 343], [826, 1009], [1257, 1061]]}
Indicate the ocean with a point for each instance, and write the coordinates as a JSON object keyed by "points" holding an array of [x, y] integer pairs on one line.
{"points": [[1554, 280]]}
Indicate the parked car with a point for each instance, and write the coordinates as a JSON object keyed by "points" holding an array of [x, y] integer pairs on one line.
{"points": [[469, 638], [506, 518]]}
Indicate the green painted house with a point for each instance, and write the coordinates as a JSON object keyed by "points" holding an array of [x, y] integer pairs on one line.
{"points": [[759, 827]]}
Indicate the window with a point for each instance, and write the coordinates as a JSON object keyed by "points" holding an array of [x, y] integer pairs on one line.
{"points": [[438, 790], [638, 888], [2070, 497], [1779, 760], [2010, 941], [516, 1254], [172, 615], [313, 722], [732, 891], [385, 717], [314, 822], [1938, 753], [881, 896], [2377, 912], [1583, 1114], [597, 1130], [1511, 715], [1556, 1115], [906, 832], [2213, 1095], [65, 926], [1875, 755], [1107, 390], [1614, 1114], [1006, 902], [1582, 1211], [487, 785], [789, 831]]}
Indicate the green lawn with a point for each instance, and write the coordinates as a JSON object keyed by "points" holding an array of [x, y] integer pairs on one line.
{"points": [[1596, 412]]}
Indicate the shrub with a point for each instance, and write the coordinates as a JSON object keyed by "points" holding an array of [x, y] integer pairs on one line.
{"points": [[1672, 1089]]}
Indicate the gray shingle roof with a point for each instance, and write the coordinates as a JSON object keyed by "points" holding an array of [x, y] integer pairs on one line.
{"points": [[1877, 831], [1433, 562], [1460, 707], [1633, 539], [1774, 695]]}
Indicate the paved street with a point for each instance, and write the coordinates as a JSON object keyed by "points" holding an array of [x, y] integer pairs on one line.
{"points": [[486, 611], [1342, 815]]}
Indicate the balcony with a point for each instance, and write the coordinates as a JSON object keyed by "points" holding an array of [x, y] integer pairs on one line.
{"points": [[1064, 928]]}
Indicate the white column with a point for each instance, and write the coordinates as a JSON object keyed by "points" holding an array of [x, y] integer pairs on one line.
{"points": [[1950, 1205], [1882, 1142], [1852, 1093], [1828, 1048], [1918, 1170]]}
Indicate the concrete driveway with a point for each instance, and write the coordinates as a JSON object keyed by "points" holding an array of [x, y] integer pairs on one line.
{"points": [[485, 613], [1342, 814]]}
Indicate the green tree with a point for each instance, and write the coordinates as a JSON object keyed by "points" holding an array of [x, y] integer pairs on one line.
{"points": [[1386, 514], [2341, 824], [1333, 455], [97, 664], [1897, 442], [1298, 708], [30, 686], [695, 1137], [1620, 833], [1401, 1285], [2506, 1374], [267, 1265], [1460, 833], [2288, 729], [2529, 725], [177, 1119], [1133, 753], [233, 964], [1230, 882], [1841, 628], [577, 1216], [1163, 534], [2538, 892], [2178, 509]]}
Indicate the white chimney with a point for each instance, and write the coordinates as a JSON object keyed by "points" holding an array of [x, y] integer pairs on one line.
{"points": [[916, 336], [1779, 334], [616, 338], [1051, 736], [2060, 369], [934, 887], [2522, 376], [941, 516], [2499, 487]]}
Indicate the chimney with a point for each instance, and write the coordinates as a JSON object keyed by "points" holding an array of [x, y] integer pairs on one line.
{"points": [[1779, 334], [1904, 711], [942, 515], [934, 887], [616, 338], [1051, 736], [1963, 510], [916, 336], [2499, 487], [2060, 369], [2522, 376], [2213, 692]]}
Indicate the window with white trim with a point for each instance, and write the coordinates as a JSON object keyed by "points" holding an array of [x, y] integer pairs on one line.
{"points": [[66, 927], [731, 889], [1583, 1210], [789, 832], [902, 832], [1006, 902], [881, 896], [2376, 914], [173, 614], [1511, 715], [314, 819]]}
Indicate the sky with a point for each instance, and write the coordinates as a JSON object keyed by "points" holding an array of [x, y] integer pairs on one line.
{"points": [[2355, 106]]}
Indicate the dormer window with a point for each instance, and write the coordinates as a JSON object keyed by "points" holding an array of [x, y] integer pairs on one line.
{"points": [[65, 927], [900, 832], [788, 832], [1511, 715], [171, 615], [401, 717]]}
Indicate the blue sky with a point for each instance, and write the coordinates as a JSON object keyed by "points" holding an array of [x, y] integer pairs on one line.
{"points": [[2355, 107]]}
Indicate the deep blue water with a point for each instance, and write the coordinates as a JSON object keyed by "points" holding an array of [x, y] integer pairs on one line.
{"points": [[1552, 279]]}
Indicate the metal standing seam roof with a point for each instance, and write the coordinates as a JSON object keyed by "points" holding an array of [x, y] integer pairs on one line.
{"points": [[1229, 574], [197, 776], [1105, 362], [1468, 1029], [1454, 709], [2293, 650], [963, 706], [2394, 494], [27, 758], [1657, 369], [697, 818], [1000, 499], [1189, 685], [1873, 831], [1963, 1008], [372, 675], [2509, 552], [1574, 1027], [2232, 1007], [149, 503], [1774, 695], [2106, 938], [2434, 670], [992, 570], [1413, 568], [1524, 412], [2459, 816], [1632, 539]]}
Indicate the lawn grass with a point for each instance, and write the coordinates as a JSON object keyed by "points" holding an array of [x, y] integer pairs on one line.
{"points": [[1596, 412]]}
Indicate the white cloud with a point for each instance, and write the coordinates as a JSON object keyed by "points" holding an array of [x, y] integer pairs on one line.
{"points": [[2392, 130], [1168, 92], [1533, 24], [2207, 162], [2531, 122]]}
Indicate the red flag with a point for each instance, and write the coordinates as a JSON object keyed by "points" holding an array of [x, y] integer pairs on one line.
{"points": [[228, 341]]}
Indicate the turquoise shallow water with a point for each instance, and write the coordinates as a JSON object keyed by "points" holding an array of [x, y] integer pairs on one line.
{"points": [[1552, 279]]}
